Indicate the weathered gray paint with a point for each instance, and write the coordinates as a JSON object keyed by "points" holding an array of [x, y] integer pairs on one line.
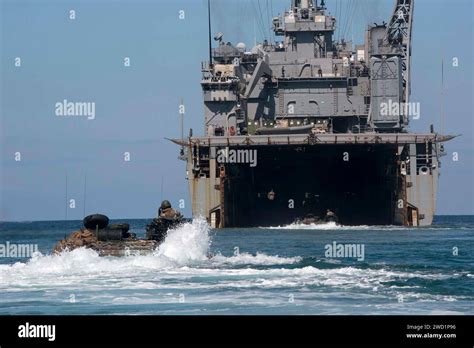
{"points": [[309, 79]]}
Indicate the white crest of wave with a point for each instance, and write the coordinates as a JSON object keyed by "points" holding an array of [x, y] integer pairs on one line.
{"points": [[299, 226], [258, 259], [330, 226], [183, 246], [186, 243]]}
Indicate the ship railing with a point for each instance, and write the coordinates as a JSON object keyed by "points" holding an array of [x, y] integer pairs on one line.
{"points": [[213, 80]]}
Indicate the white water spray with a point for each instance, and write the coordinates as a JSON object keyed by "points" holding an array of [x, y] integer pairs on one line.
{"points": [[187, 243]]}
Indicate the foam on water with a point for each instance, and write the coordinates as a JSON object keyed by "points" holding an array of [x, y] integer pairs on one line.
{"points": [[330, 226], [299, 226], [183, 264], [184, 247], [258, 259], [186, 244]]}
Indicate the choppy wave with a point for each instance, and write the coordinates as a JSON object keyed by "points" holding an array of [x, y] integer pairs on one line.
{"points": [[258, 259], [183, 264], [300, 226], [330, 226], [85, 265], [186, 246]]}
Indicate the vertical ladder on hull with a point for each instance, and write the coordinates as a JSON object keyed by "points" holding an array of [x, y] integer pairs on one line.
{"points": [[281, 103], [335, 102]]}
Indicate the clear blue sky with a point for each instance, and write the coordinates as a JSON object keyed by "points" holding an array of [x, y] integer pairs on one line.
{"points": [[137, 107]]}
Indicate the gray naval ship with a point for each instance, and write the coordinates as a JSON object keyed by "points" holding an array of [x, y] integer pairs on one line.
{"points": [[307, 125]]}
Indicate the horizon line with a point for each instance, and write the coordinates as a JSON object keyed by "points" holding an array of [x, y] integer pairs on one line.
{"points": [[149, 218]]}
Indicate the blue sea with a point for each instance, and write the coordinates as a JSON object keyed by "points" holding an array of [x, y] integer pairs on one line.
{"points": [[285, 270]]}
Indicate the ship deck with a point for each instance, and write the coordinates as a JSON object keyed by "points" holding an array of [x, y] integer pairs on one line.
{"points": [[315, 139]]}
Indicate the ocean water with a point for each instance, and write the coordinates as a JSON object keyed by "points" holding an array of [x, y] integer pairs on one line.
{"points": [[282, 270]]}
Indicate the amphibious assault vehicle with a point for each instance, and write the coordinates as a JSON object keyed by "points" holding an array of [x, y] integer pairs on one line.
{"points": [[116, 239]]}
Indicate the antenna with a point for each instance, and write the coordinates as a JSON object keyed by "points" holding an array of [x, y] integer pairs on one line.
{"points": [[181, 116], [255, 32], [442, 96], [210, 42], [65, 198], [85, 191], [162, 188]]}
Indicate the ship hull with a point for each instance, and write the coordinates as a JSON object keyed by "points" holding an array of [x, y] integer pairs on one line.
{"points": [[364, 183]]}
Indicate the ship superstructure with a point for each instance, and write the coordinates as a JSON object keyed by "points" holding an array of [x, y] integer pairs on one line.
{"points": [[306, 124]]}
